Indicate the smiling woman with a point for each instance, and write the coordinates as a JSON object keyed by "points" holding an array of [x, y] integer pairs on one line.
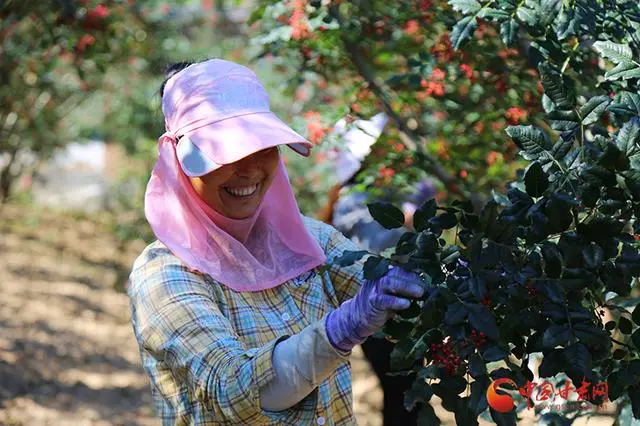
{"points": [[236, 321], [236, 189]]}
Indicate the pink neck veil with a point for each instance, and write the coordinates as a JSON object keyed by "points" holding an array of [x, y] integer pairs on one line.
{"points": [[252, 254]]}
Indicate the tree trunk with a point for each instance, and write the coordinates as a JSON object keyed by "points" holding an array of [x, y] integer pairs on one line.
{"points": [[7, 178], [6, 183]]}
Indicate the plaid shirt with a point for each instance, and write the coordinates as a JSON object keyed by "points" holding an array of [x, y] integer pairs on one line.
{"points": [[208, 348]]}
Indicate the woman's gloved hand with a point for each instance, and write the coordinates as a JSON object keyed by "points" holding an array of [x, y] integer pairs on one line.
{"points": [[363, 315]]}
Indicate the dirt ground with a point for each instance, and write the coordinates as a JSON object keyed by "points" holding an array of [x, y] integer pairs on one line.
{"points": [[67, 351]]}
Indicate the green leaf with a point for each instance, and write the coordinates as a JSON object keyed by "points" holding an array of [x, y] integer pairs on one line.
{"points": [[551, 364], [591, 111], [509, 31], [427, 244], [446, 220], [556, 335], [395, 80], [593, 256], [348, 257], [632, 180], [257, 13], [624, 70], [375, 267], [494, 14], [552, 259], [618, 354], [429, 372], [477, 366], [482, 320], [386, 215], [478, 398], [465, 6], [450, 255], [557, 86], [635, 338], [422, 215], [464, 415], [624, 325], [478, 287], [626, 103], [456, 314], [628, 137], [427, 416], [566, 23], [613, 158], [412, 311], [562, 147], [634, 396], [504, 419], [577, 361], [528, 15], [463, 31], [616, 52], [494, 353], [398, 330], [536, 180], [531, 140], [420, 392], [635, 316], [563, 120]]}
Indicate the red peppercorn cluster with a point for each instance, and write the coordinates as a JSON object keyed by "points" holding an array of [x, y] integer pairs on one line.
{"points": [[486, 301], [444, 355], [479, 339]]}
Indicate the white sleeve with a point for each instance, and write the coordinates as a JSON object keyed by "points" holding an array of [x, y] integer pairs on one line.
{"points": [[301, 363]]}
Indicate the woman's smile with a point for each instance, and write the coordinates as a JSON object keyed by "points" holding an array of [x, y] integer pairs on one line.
{"points": [[235, 190], [245, 191]]}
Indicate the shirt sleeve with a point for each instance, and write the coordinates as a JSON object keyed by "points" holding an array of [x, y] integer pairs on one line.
{"points": [[301, 363], [346, 279], [178, 322]]}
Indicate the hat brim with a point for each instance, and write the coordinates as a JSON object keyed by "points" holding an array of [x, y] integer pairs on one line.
{"points": [[210, 147]]}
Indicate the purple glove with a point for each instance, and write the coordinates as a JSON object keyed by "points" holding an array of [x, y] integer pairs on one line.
{"points": [[364, 314]]}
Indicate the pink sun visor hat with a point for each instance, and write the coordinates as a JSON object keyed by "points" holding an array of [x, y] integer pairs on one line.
{"points": [[218, 113]]}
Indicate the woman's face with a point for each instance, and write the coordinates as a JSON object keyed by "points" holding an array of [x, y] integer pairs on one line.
{"points": [[235, 190]]}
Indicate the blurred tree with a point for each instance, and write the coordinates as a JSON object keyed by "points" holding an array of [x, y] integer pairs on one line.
{"points": [[449, 108], [53, 56]]}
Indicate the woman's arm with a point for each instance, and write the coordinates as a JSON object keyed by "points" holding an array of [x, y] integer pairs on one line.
{"points": [[301, 363], [177, 320]]}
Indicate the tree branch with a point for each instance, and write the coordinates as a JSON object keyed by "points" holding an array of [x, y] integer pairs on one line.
{"points": [[410, 138]]}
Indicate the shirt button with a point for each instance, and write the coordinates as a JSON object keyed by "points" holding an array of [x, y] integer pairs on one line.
{"points": [[320, 421], [286, 316]]}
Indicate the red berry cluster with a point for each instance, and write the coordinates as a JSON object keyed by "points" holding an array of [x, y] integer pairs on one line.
{"points": [[531, 290], [444, 355], [479, 339], [424, 5]]}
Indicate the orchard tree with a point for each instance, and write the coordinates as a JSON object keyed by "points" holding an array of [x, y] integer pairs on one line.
{"points": [[448, 107], [54, 56], [548, 270]]}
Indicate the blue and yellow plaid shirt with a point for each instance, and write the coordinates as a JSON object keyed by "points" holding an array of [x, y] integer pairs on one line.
{"points": [[207, 348]]}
